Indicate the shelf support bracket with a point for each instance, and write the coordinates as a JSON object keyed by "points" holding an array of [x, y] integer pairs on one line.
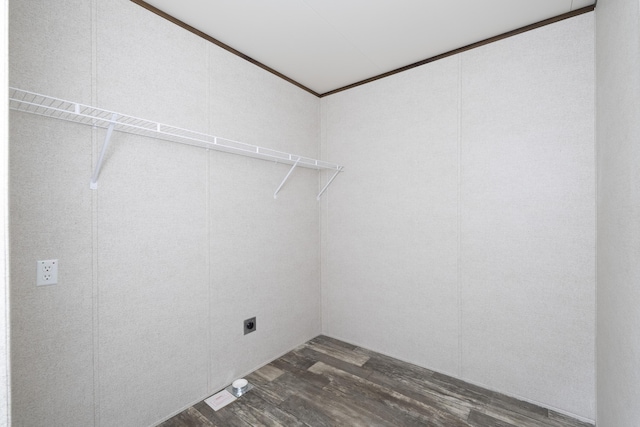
{"points": [[328, 183], [275, 195], [96, 173]]}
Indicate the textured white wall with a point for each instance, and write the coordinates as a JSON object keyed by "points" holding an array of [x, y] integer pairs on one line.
{"points": [[4, 224], [161, 264], [152, 240], [254, 236], [390, 229], [618, 137], [462, 235], [52, 338], [527, 216]]}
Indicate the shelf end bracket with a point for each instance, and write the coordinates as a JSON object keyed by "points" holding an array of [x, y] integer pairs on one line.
{"points": [[329, 182], [96, 173], [275, 195]]}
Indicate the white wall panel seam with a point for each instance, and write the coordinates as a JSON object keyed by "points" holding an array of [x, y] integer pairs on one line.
{"points": [[458, 225], [319, 225], [5, 320], [208, 96], [94, 224], [595, 232], [324, 223]]}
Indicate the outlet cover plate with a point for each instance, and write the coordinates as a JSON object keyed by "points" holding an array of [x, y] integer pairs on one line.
{"points": [[47, 272], [249, 325]]}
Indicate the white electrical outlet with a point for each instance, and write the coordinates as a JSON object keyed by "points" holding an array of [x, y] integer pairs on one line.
{"points": [[47, 272]]}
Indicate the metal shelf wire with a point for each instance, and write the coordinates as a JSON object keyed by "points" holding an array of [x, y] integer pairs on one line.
{"points": [[43, 105]]}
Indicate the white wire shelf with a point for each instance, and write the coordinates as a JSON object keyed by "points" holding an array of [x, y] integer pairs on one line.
{"points": [[43, 105]]}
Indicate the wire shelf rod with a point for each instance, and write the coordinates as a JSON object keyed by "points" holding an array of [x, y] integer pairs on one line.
{"points": [[43, 105]]}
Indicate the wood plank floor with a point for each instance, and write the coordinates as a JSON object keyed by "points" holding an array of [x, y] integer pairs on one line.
{"points": [[326, 382]]}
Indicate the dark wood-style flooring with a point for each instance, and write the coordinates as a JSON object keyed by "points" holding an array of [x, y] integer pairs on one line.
{"points": [[327, 382]]}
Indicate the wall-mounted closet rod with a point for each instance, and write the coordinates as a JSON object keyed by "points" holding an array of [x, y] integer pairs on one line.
{"points": [[35, 103]]}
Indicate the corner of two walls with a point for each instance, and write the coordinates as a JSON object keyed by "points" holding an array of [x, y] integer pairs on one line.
{"points": [[462, 235], [618, 137], [178, 245]]}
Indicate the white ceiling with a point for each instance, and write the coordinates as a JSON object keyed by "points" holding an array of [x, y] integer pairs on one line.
{"points": [[328, 44]]}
